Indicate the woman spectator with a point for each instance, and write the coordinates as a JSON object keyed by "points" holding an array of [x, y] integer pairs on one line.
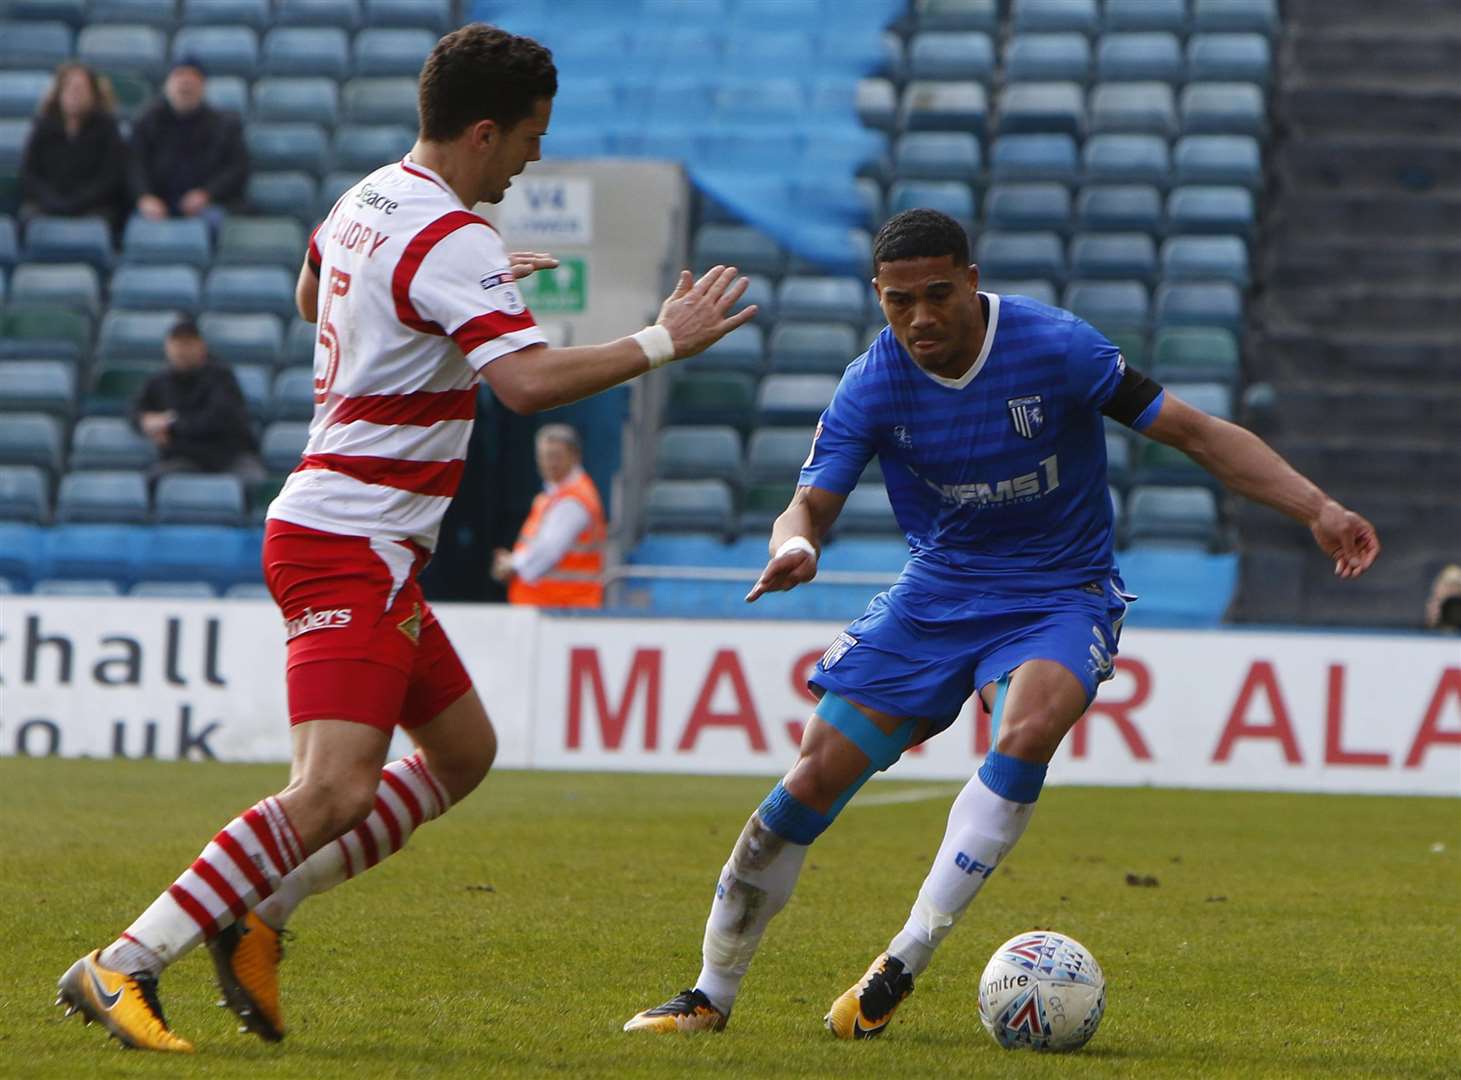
{"points": [[75, 161]]}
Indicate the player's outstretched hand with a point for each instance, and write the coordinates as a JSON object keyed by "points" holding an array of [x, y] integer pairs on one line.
{"points": [[1346, 538], [784, 572], [526, 263], [695, 314]]}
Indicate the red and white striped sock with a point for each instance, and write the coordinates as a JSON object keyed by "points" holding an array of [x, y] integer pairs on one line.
{"points": [[408, 797], [242, 865]]}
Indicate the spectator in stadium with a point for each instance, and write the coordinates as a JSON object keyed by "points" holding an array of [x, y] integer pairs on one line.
{"points": [[416, 301], [75, 160], [1443, 608], [188, 158], [558, 559], [194, 412]]}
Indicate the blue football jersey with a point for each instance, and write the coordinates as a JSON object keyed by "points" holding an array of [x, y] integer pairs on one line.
{"points": [[998, 478]]}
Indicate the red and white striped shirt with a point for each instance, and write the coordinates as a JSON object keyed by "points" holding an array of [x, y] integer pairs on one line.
{"points": [[416, 297]]}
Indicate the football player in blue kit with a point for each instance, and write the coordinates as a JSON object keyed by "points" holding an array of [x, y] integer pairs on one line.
{"points": [[986, 413]]}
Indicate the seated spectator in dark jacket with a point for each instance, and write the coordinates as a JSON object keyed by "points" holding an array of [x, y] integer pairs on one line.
{"points": [[75, 161], [188, 159], [195, 412]]}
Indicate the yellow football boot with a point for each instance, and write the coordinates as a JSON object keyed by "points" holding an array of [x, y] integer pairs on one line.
{"points": [[689, 1010], [867, 1007], [126, 1005], [246, 958]]}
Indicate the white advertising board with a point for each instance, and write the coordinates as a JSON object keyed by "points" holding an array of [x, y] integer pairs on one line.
{"points": [[547, 212], [1214, 709]]}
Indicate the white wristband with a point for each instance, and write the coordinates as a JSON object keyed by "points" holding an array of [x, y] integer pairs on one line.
{"points": [[658, 346], [796, 543]]}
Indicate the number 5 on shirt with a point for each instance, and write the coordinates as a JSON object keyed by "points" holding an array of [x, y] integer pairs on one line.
{"points": [[339, 285]]}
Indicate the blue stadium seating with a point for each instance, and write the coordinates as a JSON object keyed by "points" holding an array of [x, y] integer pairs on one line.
{"points": [[1015, 158], [285, 192], [1229, 58], [41, 386], [1195, 354], [255, 338], [946, 196], [943, 106], [1041, 207], [1215, 399], [875, 102], [9, 242], [298, 145], [176, 240], [1133, 108], [134, 335], [174, 590], [21, 93], [306, 50], [255, 382], [1047, 107], [33, 439], [1051, 16], [744, 351], [380, 101], [261, 241], [199, 499], [937, 155], [311, 99], [711, 452], [821, 298], [283, 444], [222, 50], [689, 506], [68, 240], [13, 136], [68, 285], [1203, 208], [1021, 255], [981, 15], [812, 348], [1236, 16], [867, 512], [774, 455], [1048, 58], [758, 101], [218, 554], [24, 496], [1205, 258], [70, 12], [1042, 292], [1118, 459], [112, 497], [142, 288], [1178, 587], [254, 14], [1218, 304], [1172, 514], [34, 45], [433, 15], [89, 588], [1113, 255], [1139, 57], [294, 395], [951, 55], [749, 249], [109, 442], [342, 13], [141, 49], [1223, 108], [384, 52], [143, 12], [299, 343], [1127, 159], [786, 400], [249, 288], [23, 547], [1109, 306], [1146, 15], [1218, 159]]}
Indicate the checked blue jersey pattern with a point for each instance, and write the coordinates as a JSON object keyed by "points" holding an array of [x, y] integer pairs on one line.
{"points": [[998, 479]]}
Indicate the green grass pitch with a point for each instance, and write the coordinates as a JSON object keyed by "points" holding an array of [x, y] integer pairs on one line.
{"points": [[1285, 936]]}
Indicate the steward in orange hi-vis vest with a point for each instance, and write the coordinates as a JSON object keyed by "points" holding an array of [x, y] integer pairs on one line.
{"points": [[577, 579]]}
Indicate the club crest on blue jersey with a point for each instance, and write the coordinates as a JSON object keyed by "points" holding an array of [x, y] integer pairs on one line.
{"points": [[838, 650], [1027, 414]]}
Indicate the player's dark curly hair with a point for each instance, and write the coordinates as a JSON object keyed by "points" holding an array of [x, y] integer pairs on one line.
{"points": [[920, 234], [479, 72]]}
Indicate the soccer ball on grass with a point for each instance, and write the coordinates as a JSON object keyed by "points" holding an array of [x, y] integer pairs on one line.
{"points": [[1042, 991]]}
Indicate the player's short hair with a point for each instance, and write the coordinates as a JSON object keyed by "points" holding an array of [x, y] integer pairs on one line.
{"points": [[479, 72], [563, 434], [920, 234]]}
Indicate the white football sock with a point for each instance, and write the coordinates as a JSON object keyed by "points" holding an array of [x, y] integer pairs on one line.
{"points": [[982, 829], [754, 885]]}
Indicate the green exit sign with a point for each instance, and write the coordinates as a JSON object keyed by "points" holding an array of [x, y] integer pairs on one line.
{"points": [[561, 291]]}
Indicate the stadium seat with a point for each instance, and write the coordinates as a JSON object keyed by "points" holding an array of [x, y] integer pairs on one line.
{"points": [[342, 13], [783, 400], [23, 552], [875, 102], [21, 92], [1146, 15], [1119, 208], [1113, 255], [256, 590], [943, 106], [742, 246], [775, 455], [175, 240], [1109, 306], [332, 186], [366, 147], [981, 15], [24, 494], [689, 506], [294, 394], [199, 499], [68, 240], [144, 288], [1228, 108], [1118, 459], [743, 100], [249, 288], [254, 14], [299, 343], [1215, 399], [1229, 58], [946, 196], [145, 12], [1218, 159], [1235, 17], [1216, 304], [296, 98], [81, 588], [110, 497], [32, 439], [134, 335], [45, 333], [1126, 159], [173, 590], [9, 240], [711, 398], [711, 452], [1139, 57], [132, 91], [286, 192], [215, 553], [96, 551], [306, 50], [70, 12], [115, 385], [1205, 258], [812, 348], [1021, 255], [743, 351], [42, 386], [433, 15], [137, 49], [222, 50], [1048, 58], [1209, 209], [1016, 207], [822, 298], [34, 45], [1036, 108], [255, 382], [296, 146], [867, 512], [1195, 354], [937, 155], [256, 338], [267, 241], [283, 444], [1015, 158], [14, 133], [1042, 292], [380, 101], [762, 292], [1052, 16], [1133, 108], [382, 52], [73, 285], [1172, 514], [109, 442], [941, 55]]}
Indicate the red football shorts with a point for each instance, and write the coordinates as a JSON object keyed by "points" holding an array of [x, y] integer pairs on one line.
{"points": [[363, 645]]}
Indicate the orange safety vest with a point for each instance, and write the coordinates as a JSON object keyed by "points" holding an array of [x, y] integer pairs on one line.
{"points": [[577, 581]]}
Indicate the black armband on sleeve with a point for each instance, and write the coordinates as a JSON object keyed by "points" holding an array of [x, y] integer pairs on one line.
{"points": [[1133, 394]]}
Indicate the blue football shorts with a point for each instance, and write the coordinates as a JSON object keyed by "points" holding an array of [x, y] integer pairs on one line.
{"points": [[915, 653]]}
